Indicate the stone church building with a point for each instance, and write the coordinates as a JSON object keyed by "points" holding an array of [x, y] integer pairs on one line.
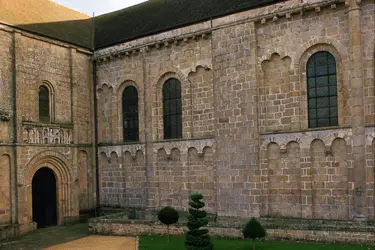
{"points": [[266, 107]]}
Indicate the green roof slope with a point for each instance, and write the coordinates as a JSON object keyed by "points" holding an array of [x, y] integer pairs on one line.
{"points": [[156, 16]]}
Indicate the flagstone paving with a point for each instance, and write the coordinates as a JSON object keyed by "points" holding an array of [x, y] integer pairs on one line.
{"points": [[70, 237]]}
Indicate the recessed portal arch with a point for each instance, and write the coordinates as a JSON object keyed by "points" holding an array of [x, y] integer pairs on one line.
{"points": [[44, 197], [59, 166]]}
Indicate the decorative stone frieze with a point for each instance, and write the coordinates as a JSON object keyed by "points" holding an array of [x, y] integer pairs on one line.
{"points": [[305, 138], [120, 149], [184, 146], [40, 134]]}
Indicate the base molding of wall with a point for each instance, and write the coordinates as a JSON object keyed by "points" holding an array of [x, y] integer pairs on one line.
{"points": [[352, 232], [10, 231]]}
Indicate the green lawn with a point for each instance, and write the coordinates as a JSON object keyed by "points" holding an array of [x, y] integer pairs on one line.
{"points": [[177, 243]]}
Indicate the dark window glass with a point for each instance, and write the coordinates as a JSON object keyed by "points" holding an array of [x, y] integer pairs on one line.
{"points": [[130, 114], [172, 109], [322, 90], [44, 104]]}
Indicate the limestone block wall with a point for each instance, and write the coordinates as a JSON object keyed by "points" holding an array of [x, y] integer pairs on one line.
{"points": [[5, 84], [282, 69], [236, 120], [113, 78], [179, 168], [64, 143], [324, 175], [189, 62], [5, 124], [39, 62], [244, 86], [368, 43]]}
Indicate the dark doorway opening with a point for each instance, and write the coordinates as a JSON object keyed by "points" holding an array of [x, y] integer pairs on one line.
{"points": [[44, 198]]}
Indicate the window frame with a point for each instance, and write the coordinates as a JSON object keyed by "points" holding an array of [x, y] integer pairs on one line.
{"points": [[315, 96], [132, 117], [44, 104], [172, 109]]}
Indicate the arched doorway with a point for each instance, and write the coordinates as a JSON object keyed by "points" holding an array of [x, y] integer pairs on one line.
{"points": [[44, 198]]}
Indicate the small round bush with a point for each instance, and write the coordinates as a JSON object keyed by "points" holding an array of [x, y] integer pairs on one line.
{"points": [[253, 230], [168, 216]]}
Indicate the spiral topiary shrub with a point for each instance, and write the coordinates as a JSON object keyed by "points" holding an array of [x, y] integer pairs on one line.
{"points": [[253, 230], [196, 238], [168, 216]]}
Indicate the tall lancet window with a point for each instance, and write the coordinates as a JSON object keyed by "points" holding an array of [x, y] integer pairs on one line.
{"points": [[172, 109], [322, 90], [44, 107], [130, 114]]}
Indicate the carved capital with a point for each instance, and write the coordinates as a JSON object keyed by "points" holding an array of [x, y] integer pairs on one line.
{"points": [[4, 115]]}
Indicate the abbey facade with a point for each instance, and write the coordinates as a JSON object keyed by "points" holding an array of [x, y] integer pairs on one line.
{"points": [[269, 112], [46, 123]]}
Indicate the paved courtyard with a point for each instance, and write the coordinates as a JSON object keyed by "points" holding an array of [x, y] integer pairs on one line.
{"points": [[72, 237]]}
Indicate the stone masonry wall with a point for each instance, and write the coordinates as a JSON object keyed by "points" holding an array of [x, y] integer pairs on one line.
{"points": [[5, 124], [244, 87], [283, 103], [136, 228], [66, 71]]}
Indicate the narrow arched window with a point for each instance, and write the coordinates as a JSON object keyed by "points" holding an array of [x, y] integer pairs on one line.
{"points": [[44, 114], [172, 109], [130, 114], [322, 90]]}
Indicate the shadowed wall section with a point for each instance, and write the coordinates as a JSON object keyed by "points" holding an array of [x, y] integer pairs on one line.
{"points": [[4, 189], [83, 174]]}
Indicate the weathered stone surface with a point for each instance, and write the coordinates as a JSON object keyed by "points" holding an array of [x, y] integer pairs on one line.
{"points": [[244, 86], [246, 144]]}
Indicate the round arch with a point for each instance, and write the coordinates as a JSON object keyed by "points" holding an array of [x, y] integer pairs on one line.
{"points": [[303, 59], [59, 166]]}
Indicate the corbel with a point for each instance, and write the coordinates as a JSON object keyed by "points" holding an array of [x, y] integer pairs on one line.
{"points": [[4, 116]]}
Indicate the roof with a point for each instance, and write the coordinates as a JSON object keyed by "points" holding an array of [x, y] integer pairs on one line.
{"points": [[156, 16], [47, 18], [21, 12]]}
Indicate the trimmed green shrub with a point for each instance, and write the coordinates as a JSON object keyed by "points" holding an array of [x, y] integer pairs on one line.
{"points": [[168, 216], [253, 230], [196, 238]]}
